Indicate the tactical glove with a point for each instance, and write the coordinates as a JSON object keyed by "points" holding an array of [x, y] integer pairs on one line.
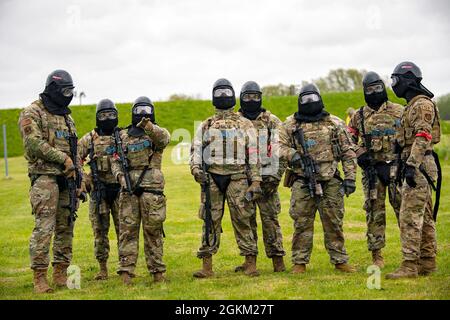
{"points": [[145, 124], [349, 186], [199, 175], [69, 168], [364, 160], [254, 191], [410, 173], [296, 160]]}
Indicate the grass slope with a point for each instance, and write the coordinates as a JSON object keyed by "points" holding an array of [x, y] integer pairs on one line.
{"points": [[183, 238], [182, 114]]}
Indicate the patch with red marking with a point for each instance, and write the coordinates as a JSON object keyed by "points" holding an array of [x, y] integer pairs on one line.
{"points": [[56, 78], [252, 150], [424, 134], [116, 156], [353, 131]]}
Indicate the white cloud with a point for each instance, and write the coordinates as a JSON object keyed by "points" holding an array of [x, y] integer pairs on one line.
{"points": [[124, 49]]}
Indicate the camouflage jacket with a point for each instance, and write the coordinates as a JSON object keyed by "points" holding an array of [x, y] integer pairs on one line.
{"points": [[267, 127], [327, 141], [143, 152], [45, 139], [230, 145], [104, 148], [381, 125], [420, 129]]}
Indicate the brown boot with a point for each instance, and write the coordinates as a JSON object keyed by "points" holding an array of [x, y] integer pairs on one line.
{"points": [[408, 269], [278, 264], [377, 258], [240, 268], [206, 271], [159, 277], [40, 281], [298, 268], [250, 266], [126, 278], [103, 273], [344, 267], [427, 266], [60, 274]]}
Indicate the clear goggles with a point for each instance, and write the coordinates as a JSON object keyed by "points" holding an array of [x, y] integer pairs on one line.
{"points": [[255, 96], [310, 97], [67, 91], [395, 80], [143, 110], [374, 88], [106, 115], [223, 92]]}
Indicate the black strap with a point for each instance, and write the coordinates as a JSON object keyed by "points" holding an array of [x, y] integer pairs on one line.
{"points": [[363, 127], [139, 180], [438, 185]]}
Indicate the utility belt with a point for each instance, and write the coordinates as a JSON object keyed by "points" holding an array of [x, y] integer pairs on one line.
{"points": [[140, 190], [290, 178]]}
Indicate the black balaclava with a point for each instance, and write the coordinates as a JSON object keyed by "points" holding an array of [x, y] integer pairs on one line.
{"points": [[310, 111], [106, 127], [137, 117], [223, 102], [406, 81], [55, 100], [251, 109], [376, 99]]}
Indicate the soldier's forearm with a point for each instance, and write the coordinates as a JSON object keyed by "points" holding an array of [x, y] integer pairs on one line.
{"points": [[44, 151], [418, 149], [159, 136]]}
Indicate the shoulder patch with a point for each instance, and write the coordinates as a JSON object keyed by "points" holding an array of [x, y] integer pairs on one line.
{"points": [[25, 122]]}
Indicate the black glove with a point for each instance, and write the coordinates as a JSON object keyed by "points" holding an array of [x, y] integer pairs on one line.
{"points": [[349, 186], [410, 173], [383, 172], [364, 160], [296, 160]]}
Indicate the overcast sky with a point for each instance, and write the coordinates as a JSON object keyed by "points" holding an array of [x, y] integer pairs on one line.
{"points": [[124, 49]]}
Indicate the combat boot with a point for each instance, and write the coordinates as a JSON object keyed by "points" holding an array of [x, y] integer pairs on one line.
{"points": [[344, 267], [206, 271], [241, 268], [250, 266], [408, 269], [427, 266], [60, 274], [40, 281], [159, 277], [278, 264], [126, 278], [299, 268], [377, 258], [103, 273]]}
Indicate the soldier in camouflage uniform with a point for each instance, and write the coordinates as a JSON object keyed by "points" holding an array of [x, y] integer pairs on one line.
{"points": [[97, 147], [420, 131], [375, 126], [143, 142], [45, 126], [227, 143], [318, 187], [267, 126]]}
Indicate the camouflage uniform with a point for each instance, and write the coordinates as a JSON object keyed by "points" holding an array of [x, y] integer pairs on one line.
{"points": [[237, 130], [46, 148], [144, 153], [267, 126], [103, 149], [420, 132], [328, 143], [382, 126]]}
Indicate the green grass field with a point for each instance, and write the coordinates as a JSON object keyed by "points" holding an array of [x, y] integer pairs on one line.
{"points": [[183, 238]]}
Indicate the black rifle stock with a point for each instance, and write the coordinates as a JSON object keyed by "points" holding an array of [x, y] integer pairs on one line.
{"points": [[125, 165]]}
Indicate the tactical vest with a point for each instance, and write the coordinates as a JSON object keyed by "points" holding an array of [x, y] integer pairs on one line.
{"points": [[55, 131], [383, 128], [407, 134], [263, 129], [104, 147], [139, 151], [229, 130]]}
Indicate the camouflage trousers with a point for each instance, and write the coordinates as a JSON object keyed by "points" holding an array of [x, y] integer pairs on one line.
{"points": [[331, 210], [269, 208], [241, 212], [417, 227], [51, 219], [100, 226], [150, 209], [376, 212]]}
